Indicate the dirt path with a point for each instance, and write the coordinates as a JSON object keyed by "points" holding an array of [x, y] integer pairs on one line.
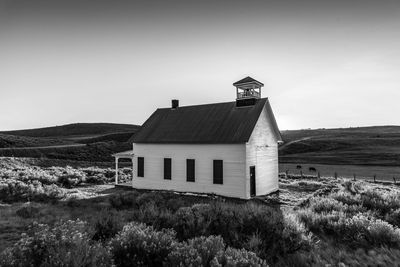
{"points": [[295, 141]]}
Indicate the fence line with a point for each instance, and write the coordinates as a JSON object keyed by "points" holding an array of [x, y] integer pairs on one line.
{"points": [[301, 175]]}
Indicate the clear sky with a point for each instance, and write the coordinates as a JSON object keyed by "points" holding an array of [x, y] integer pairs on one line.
{"points": [[323, 63]]}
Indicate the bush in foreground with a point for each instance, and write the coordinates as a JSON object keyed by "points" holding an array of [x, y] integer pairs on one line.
{"points": [[141, 245], [355, 216], [271, 234], [65, 244]]}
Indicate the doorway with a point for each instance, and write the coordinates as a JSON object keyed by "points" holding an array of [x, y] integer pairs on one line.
{"points": [[252, 181]]}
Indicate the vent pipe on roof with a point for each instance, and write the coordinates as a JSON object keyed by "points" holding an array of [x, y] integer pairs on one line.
{"points": [[175, 103]]}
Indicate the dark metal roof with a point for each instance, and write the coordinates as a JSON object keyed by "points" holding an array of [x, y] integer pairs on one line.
{"points": [[248, 79], [220, 123]]}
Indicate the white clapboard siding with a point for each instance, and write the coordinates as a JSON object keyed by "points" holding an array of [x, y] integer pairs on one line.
{"points": [[233, 156], [262, 152]]}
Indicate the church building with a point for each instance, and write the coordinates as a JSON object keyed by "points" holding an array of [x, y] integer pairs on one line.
{"points": [[228, 149]]}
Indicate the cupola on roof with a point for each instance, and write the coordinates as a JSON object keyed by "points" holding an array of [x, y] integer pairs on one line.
{"points": [[248, 81]]}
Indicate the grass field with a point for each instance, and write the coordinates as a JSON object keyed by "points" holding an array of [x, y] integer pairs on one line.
{"points": [[385, 173]]}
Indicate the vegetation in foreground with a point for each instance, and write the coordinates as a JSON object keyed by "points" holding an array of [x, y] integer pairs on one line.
{"points": [[336, 222]]}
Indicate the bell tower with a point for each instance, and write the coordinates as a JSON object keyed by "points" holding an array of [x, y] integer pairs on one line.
{"points": [[248, 90]]}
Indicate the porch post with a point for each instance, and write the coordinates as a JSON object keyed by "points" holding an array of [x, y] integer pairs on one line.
{"points": [[116, 170], [133, 167]]}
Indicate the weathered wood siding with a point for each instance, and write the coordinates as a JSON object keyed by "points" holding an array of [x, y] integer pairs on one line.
{"points": [[262, 152], [233, 156]]}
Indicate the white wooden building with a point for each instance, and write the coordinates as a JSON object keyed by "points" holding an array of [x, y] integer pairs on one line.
{"points": [[229, 149]]}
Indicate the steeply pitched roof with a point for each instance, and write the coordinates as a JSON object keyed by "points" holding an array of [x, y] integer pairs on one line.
{"points": [[221, 123], [248, 79]]}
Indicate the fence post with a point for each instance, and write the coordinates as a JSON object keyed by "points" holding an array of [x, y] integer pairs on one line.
{"points": [[394, 179], [354, 176], [116, 170], [319, 175], [374, 178], [335, 174], [301, 174]]}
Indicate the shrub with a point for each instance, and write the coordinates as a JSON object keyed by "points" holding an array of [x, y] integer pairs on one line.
{"points": [[210, 251], [199, 251], [237, 224], [123, 200], [241, 258], [381, 202], [140, 245], [394, 218], [15, 190], [107, 224], [27, 212], [332, 255], [69, 180], [174, 204], [358, 230], [158, 217], [145, 198], [352, 187], [346, 198], [65, 244]]}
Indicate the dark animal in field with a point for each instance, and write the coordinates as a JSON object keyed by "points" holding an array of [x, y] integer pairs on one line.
{"points": [[298, 167], [312, 169]]}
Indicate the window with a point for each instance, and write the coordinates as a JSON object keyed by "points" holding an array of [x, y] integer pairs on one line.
{"points": [[218, 172], [190, 170], [167, 168], [140, 167]]}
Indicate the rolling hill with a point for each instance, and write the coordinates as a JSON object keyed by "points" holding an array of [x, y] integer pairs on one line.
{"points": [[80, 141], [76, 130], [375, 146], [379, 145], [13, 141]]}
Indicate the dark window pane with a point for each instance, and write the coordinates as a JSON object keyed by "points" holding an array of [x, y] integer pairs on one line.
{"points": [[218, 172], [140, 167], [190, 170], [167, 168]]}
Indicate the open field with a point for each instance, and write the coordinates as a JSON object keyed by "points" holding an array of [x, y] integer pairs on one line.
{"points": [[309, 222], [385, 173]]}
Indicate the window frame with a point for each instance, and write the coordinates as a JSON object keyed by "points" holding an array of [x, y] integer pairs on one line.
{"points": [[167, 169], [140, 167], [191, 172], [218, 168]]}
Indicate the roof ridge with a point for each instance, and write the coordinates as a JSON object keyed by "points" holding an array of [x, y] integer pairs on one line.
{"points": [[208, 104]]}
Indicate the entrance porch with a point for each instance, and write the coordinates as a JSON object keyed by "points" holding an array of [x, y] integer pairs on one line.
{"points": [[123, 155]]}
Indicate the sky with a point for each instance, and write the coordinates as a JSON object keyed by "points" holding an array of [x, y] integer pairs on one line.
{"points": [[325, 64]]}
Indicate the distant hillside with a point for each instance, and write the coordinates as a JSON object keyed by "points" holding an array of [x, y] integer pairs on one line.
{"points": [[13, 141], [80, 141], [117, 137], [378, 145], [76, 129]]}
